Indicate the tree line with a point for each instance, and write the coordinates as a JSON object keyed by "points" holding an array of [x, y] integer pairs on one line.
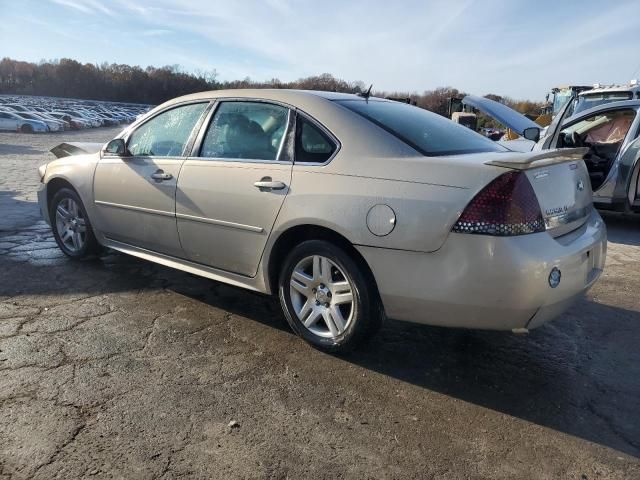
{"points": [[151, 85]]}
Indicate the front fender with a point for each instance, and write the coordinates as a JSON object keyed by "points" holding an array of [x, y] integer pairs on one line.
{"points": [[78, 171]]}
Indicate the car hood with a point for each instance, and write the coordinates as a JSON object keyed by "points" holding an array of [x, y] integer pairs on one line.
{"points": [[69, 149], [518, 145], [500, 112]]}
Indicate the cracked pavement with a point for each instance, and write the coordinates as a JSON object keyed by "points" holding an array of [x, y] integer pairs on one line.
{"points": [[119, 368]]}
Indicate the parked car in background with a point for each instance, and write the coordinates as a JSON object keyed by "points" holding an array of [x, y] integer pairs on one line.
{"points": [[601, 94], [53, 124], [74, 114], [349, 208], [608, 132], [16, 123], [66, 125], [74, 123]]}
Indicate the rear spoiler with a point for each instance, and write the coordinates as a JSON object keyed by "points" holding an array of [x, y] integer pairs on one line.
{"points": [[75, 148], [535, 160]]}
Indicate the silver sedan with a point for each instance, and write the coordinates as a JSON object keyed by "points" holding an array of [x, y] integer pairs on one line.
{"points": [[349, 208]]}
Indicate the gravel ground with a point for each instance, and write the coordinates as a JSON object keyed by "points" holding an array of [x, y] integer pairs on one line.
{"points": [[119, 368]]}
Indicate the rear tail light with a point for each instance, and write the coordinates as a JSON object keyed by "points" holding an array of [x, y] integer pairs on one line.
{"points": [[507, 206]]}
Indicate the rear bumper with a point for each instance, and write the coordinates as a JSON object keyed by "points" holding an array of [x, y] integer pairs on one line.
{"points": [[501, 283]]}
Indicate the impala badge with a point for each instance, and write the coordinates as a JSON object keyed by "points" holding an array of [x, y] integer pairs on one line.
{"points": [[580, 185], [552, 212]]}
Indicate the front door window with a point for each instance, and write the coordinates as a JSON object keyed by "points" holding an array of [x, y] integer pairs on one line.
{"points": [[603, 134], [167, 134]]}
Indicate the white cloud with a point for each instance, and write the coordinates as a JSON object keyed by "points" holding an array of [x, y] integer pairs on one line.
{"points": [[498, 46], [155, 32], [85, 6]]}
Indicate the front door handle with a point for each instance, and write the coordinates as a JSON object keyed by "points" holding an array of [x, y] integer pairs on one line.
{"points": [[160, 176], [266, 183]]}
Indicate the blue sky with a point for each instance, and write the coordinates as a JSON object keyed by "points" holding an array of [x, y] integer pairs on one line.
{"points": [[508, 47]]}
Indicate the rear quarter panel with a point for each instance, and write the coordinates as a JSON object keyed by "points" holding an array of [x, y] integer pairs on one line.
{"points": [[424, 213]]}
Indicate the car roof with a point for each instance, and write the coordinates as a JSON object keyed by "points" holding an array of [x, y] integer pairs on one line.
{"points": [[602, 107], [611, 89], [282, 95]]}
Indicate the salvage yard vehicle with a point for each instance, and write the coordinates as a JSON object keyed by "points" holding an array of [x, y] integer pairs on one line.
{"points": [[349, 208], [16, 123], [65, 114], [560, 96], [609, 132], [74, 122], [53, 124], [600, 95]]}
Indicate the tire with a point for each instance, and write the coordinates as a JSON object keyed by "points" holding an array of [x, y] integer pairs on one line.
{"points": [[307, 295], [69, 220], [26, 128]]}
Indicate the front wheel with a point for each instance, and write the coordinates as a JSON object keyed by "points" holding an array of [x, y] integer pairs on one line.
{"points": [[71, 226], [327, 298]]}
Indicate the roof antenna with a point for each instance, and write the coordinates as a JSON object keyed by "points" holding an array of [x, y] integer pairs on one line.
{"points": [[366, 94]]}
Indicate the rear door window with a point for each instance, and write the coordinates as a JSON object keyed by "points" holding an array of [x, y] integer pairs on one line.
{"points": [[246, 130], [312, 144]]}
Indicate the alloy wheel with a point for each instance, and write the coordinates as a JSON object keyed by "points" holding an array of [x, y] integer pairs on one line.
{"points": [[71, 225], [322, 296]]}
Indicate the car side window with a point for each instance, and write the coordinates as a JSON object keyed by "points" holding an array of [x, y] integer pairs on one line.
{"points": [[606, 130], [166, 134], [312, 144], [246, 130]]}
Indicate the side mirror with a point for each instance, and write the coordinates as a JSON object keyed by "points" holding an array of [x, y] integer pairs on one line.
{"points": [[116, 147], [532, 133]]}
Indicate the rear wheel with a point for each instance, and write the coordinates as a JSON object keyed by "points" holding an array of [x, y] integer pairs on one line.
{"points": [[26, 128], [71, 226], [326, 297]]}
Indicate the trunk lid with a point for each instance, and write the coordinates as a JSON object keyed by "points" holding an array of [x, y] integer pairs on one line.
{"points": [[560, 180]]}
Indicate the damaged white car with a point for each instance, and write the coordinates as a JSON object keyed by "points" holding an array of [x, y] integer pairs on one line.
{"points": [[608, 132]]}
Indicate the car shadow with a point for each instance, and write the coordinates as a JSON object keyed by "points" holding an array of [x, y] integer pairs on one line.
{"points": [[622, 228], [16, 213], [579, 375], [10, 149]]}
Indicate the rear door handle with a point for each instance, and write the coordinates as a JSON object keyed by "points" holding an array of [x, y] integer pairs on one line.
{"points": [[160, 176], [267, 184]]}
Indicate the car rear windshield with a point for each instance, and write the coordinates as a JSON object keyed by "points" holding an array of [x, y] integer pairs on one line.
{"points": [[425, 131], [585, 102]]}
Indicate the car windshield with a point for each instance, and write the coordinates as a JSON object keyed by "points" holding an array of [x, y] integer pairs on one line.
{"points": [[560, 98], [585, 102], [425, 131]]}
